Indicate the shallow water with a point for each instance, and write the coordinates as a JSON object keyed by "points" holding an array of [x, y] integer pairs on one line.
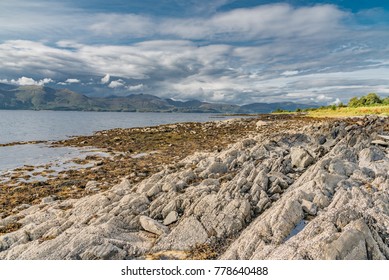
{"points": [[19, 125], [12, 157]]}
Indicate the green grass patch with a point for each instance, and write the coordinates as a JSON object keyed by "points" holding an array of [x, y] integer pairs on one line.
{"points": [[350, 111]]}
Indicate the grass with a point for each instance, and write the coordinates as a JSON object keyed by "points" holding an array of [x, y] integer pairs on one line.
{"points": [[350, 111]]}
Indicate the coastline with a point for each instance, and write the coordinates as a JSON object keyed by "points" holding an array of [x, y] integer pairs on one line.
{"points": [[155, 147], [135, 154], [281, 183]]}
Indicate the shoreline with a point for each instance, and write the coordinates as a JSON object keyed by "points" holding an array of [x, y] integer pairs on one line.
{"points": [[201, 191], [136, 163], [135, 153]]}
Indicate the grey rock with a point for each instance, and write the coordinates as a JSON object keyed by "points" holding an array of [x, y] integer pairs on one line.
{"points": [[215, 168], [48, 199], [300, 157], [153, 226], [92, 186], [309, 207], [172, 217], [380, 143], [187, 234]]}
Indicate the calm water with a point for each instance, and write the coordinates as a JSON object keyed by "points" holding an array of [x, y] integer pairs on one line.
{"points": [[19, 125], [54, 125]]}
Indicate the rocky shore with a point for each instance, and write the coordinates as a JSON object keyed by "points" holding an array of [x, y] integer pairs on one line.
{"points": [[272, 187]]}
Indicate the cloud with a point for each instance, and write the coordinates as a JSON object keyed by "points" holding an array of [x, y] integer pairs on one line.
{"points": [[105, 79], [262, 22], [69, 24], [290, 73], [323, 97], [24, 81], [239, 56], [336, 102], [122, 25], [218, 72], [72, 81], [116, 84], [135, 88]]}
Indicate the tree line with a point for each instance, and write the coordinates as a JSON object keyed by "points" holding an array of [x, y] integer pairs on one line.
{"points": [[371, 99]]}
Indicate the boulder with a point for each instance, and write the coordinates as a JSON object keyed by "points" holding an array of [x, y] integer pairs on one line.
{"points": [[172, 217], [309, 207], [153, 226], [300, 157]]}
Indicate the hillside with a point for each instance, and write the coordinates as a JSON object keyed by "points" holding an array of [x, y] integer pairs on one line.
{"points": [[46, 98]]}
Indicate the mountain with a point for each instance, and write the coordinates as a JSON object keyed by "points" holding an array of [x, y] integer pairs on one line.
{"points": [[46, 98], [43, 98]]}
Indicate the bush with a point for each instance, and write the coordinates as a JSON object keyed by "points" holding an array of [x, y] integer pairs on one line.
{"points": [[354, 102], [372, 99], [369, 100]]}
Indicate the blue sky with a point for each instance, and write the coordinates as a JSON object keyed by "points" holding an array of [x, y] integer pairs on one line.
{"points": [[240, 51]]}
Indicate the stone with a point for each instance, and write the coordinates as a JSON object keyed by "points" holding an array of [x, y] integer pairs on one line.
{"points": [[188, 233], [300, 157], [172, 217], [48, 199], [259, 124], [309, 207], [215, 168], [92, 186], [153, 226], [21, 207], [385, 137], [380, 143], [371, 154]]}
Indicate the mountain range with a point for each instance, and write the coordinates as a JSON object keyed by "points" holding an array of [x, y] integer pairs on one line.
{"points": [[47, 98]]}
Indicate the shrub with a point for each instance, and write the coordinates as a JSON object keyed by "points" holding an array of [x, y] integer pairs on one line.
{"points": [[369, 100], [372, 99]]}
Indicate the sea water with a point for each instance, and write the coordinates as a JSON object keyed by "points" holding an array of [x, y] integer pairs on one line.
{"points": [[21, 126]]}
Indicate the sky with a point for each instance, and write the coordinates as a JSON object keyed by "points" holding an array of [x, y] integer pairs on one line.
{"points": [[230, 51]]}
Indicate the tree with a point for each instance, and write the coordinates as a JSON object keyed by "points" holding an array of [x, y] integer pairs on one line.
{"points": [[372, 99], [354, 102]]}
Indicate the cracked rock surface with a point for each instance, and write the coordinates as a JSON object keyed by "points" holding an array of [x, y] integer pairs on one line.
{"points": [[321, 192]]}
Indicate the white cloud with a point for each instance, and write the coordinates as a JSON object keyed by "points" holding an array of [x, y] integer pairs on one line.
{"points": [[336, 102], [67, 23], [68, 44], [211, 72], [105, 79], [72, 81], [24, 81], [274, 41], [135, 88], [262, 22], [323, 97], [290, 73], [122, 25], [116, 84]]}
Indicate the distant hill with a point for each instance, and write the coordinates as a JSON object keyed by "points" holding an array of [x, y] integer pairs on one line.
{"points": [[46, 98]]}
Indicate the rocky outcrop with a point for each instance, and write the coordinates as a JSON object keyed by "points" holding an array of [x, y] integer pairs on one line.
{"points": [[319, 193]]}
